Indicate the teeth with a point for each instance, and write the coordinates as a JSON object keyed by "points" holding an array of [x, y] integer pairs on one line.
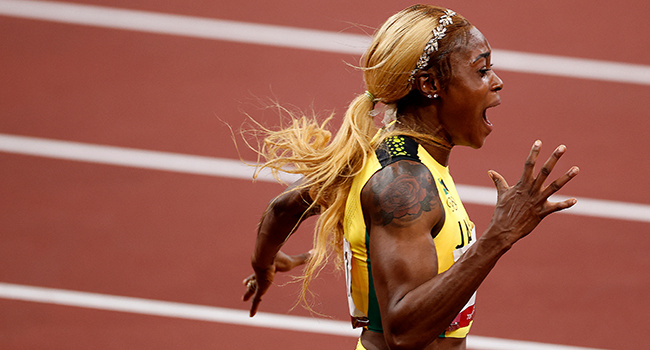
{"points": [[486, 118]]}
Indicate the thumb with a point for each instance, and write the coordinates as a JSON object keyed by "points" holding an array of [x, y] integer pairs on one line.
{"points": [[302, 258], [499, 182]]}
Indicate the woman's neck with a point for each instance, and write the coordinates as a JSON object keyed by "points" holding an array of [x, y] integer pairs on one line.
{"points": [[424, 120]]}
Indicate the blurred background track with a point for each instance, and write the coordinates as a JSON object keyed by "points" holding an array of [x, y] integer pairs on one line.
{"points": [[172, 216]]}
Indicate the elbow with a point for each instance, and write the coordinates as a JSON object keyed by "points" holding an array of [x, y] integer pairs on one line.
{"points": [[396, 342], [290, 203], [405, 341], [409, 336], [399, 345]]}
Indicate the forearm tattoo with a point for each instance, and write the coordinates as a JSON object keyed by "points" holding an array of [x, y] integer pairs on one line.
{"points": [[402, 192]]}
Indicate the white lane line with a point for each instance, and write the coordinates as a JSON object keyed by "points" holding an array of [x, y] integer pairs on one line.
{"points": [[173, 309], [131, 157], [206, 28], [300, 38], [571, 67], [224, 315], [230, 168], [585, 206]]}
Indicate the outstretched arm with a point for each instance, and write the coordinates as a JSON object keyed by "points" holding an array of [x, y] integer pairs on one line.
{"points": [[416, 302], [278, 222]]}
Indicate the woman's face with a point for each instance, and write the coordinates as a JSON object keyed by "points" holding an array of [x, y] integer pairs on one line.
{"points": [[473, 88]]}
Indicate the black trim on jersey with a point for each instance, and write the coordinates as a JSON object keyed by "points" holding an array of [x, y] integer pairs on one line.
{"points": [[397, 148]]}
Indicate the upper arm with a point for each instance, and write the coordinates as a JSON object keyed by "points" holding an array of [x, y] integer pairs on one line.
{"points": [[401, 207]]}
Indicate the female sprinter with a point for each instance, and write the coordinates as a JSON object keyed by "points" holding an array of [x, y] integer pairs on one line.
{"points": [[387, 205]]}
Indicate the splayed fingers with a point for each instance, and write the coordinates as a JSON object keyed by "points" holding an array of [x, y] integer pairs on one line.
{"points": [[537, 183], [547, 168], [521, 207], [555, 186]]}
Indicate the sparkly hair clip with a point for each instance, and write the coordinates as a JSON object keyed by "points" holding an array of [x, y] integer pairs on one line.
{"points": [[438, 33]]}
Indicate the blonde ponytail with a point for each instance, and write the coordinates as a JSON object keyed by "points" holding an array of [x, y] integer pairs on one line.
{"points": [[329, 165]]}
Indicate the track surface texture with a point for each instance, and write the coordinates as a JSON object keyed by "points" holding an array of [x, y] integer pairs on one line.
{"points": [[70, 225]]}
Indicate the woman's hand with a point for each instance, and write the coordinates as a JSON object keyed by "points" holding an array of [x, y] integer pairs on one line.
{"points": [[258, 283], [521, 207]]}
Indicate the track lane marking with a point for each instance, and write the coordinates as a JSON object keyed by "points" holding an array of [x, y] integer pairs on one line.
{"points": [[230, 168], [300, 38], [229, 316]]}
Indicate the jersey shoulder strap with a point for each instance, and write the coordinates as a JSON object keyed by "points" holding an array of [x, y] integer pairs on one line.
{"points": [[396, 148]]}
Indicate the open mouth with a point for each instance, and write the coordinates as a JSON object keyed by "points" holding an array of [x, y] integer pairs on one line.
{"points": [[485, 118]]}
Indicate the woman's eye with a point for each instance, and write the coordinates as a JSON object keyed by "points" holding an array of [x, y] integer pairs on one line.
{"points": [[484, 70]]}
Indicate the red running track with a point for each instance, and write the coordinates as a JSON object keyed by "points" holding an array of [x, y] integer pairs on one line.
{"points": [[179, 237]]}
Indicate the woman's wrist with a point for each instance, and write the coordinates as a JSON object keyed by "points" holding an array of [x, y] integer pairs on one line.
{"points": [[496, 239]]}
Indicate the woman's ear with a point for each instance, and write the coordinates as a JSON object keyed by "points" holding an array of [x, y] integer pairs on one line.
{"points": [[426, 84]]}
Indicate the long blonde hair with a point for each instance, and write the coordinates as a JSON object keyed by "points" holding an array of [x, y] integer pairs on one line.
{"points": [[305, 147]]}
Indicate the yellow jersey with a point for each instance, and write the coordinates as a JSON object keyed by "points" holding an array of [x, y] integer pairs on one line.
{"points": [[456, 235]]}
